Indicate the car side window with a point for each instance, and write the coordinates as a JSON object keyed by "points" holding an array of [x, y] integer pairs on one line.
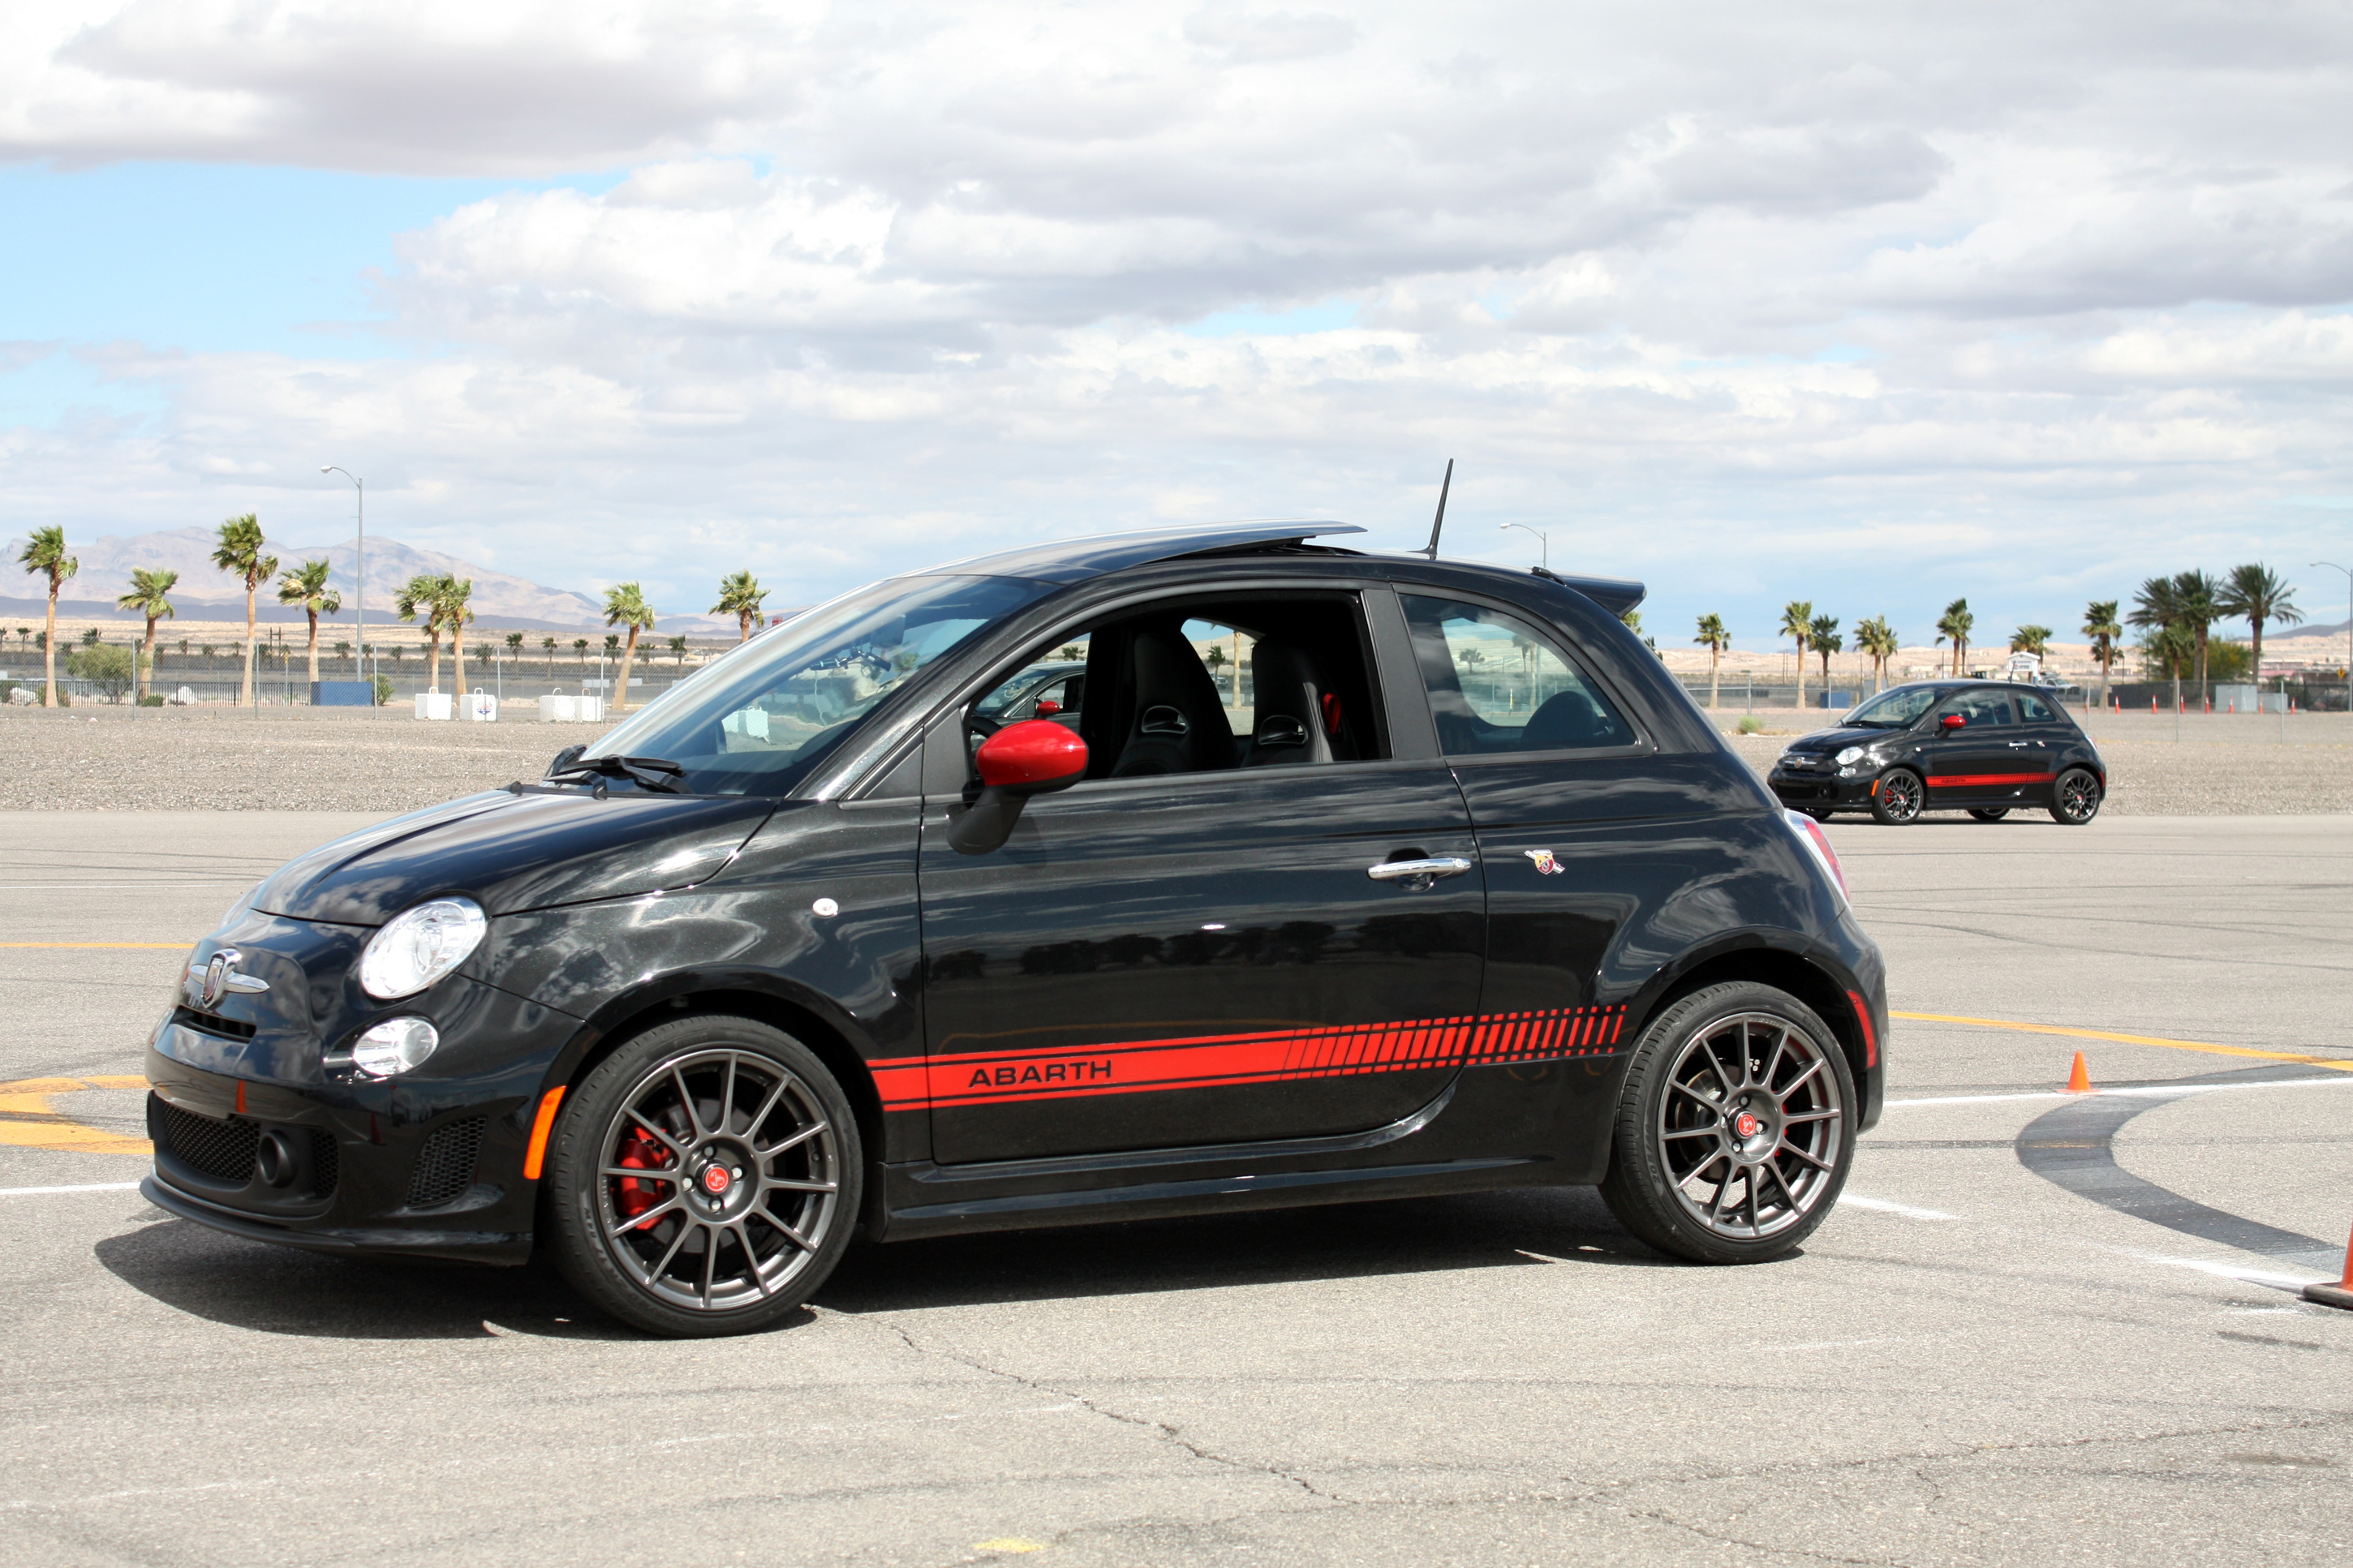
{"points": [[1205, 685], [1497, 686], [2034, 710], [1980, 709]]}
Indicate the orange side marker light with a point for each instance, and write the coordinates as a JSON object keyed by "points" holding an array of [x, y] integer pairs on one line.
{"points": [[2079, 1081], [540, 1127]]}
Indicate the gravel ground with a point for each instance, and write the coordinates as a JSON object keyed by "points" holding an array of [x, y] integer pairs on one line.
{"points": [[342, 760]]}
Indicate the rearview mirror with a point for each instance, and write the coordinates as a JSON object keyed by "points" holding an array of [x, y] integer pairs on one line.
{"points": [[1952, 720], [1036, 756]]}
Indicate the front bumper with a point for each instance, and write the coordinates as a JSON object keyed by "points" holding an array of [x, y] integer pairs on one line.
{"points": [[1822, 791], [419, 1166]]}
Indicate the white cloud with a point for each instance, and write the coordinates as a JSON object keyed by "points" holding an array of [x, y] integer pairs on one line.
{"points": [[1725, 287]]}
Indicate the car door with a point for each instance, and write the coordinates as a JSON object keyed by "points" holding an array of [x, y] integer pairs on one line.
{"points": [[2049, 735], [1201, 958], [1987, 760]]}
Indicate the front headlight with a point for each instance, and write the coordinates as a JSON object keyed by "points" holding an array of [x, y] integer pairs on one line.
{"points": [[1852, 755], [395, 1045], [419, 946]]}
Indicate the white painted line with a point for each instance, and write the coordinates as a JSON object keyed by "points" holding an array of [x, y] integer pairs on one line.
{"points": [[93, 1187], [1906, 1210], [2235, 1272], [2156, 1092]]}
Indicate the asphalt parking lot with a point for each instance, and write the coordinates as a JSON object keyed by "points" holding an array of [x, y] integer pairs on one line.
{"points": [[2039, 1326]]}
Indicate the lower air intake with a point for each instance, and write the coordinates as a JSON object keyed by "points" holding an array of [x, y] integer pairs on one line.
{"points": [[446, 1169], [221, 1150]]}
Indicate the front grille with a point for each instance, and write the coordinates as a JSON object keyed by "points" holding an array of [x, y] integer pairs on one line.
{"points": [[212, 1024], [221, 1150], [446, 1169], [325, 1163], [1805, 792]]}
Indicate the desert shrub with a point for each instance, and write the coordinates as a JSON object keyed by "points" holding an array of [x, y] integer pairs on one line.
{"points": [[1750, 724]]}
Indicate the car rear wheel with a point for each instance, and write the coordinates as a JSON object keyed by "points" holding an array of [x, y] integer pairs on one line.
{"points": [[1736, 1130], [1898, 798], [1989, 812], [2075, 797], [703, 1179]]}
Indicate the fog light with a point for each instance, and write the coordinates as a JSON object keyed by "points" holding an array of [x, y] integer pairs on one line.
{"points": [[397, 1045]]}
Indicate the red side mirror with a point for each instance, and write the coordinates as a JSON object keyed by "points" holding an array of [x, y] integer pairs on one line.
{"points": [[1021, 759], [1047, 707], [1031, 757], [1952, 720]]}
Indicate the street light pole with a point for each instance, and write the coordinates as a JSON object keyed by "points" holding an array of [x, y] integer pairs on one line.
{"points": [[360, 602], [1544, 539], [2348, 630]]}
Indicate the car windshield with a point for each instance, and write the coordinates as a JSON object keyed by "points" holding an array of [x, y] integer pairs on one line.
{"points": [[1896, 710], [758, 721]]}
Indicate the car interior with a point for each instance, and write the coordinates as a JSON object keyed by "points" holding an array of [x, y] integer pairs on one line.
{"points": [[1497, 685], [1301, 695]]}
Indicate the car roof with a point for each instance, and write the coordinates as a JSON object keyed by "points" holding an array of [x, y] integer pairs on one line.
{"points": [[1075, 560]]}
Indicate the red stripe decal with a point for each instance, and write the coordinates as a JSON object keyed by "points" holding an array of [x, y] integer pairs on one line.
{"points": [[1061, 1072], [1954, 781]]}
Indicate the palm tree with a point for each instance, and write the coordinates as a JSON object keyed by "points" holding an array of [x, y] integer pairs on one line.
{"points": [[2195, 593], [2100, 625], [1823, 633], [2254, 594], [580, 648], [2035, 641], [343, 652], [1954, 627], [547, 646], [147, 598], [307, 585], [46, 552], [1715, 639], [423, 592], [239, 555], [514, 650], [2157, 609], [1797, 621], [1877, 638], [678, 646], [739, 596], [625, 605], [455, 614]]}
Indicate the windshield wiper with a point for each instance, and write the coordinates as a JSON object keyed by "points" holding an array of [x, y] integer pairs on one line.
{"points": [[656, 773]]}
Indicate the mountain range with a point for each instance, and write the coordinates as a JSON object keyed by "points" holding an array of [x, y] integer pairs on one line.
{"points": [[205, 593]]}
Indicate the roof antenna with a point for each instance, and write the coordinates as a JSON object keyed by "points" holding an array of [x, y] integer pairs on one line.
{"points": [[1439, 522]]}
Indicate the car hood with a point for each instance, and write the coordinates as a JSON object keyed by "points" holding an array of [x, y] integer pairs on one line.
{"points": [[1837, 740], [514, 852]]}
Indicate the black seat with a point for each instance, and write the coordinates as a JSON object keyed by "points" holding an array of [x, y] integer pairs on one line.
{"points": [[1299, 714], [1180, 723], [1570, 720]]}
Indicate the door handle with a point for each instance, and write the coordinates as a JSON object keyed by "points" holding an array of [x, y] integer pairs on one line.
{"points": [[1417, 874], [2019, 745]]}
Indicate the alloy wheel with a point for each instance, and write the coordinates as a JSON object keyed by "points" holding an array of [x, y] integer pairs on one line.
{"points": [[2076, 798], [1750, 1127], [719, 1179], [1898, 798]]}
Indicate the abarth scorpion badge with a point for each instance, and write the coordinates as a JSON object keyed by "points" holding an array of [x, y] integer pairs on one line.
{"points": [[1545, 863]]}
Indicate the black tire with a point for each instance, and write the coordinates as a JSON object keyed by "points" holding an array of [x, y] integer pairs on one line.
{"points": [[770, 1188], [1989, 812], [2075, 796], [1684, 1131], [1816, 813], [1899, 798]]}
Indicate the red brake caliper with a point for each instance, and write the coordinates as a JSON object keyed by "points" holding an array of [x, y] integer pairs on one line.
{"points": [[635, 1195]]}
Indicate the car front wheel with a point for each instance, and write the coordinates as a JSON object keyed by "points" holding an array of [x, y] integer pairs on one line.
{"points": [[1898, 798], [1735, 1129], [1989, 812], [703, 1179], [2075, 797]]}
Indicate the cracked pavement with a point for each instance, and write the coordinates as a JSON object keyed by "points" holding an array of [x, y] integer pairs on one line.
{"points": [[1981, 1368]]}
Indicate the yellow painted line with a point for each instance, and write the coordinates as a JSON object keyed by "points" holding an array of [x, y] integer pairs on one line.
{"points": [[2335, 1063], [27, 1120], [164, 944]]}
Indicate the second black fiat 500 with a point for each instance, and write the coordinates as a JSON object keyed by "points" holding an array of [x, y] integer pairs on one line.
{"points": [[1156, 874], [1986, 747]]}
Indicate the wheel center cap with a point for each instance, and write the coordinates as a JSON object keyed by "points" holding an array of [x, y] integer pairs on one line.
{"points": [[716, 1179], [1746, 1126]]}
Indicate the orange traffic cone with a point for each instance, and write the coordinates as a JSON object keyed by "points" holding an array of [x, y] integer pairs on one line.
{"points": [[2339, 1294], [2080, 1081]]}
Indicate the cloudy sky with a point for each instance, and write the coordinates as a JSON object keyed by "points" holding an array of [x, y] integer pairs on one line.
{"points": [[1868, 304]]}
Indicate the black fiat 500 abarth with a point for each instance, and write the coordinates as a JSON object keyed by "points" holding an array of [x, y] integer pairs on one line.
{"points": [[1331, 876], [1986, 747]]}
